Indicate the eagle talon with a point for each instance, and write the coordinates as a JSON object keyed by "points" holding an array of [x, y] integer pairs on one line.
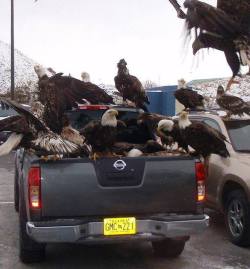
{"points": [[94, 156], [45, 158]]}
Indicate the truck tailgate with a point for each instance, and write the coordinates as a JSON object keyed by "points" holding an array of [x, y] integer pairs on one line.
{"points": [[80, 187]]}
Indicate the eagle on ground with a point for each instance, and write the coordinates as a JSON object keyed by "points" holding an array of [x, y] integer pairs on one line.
{"points": [[204, 139], [30, 132], [130, 87], [187, 97], [226, 27], [101, 134], [233, 105], [60, 93]]}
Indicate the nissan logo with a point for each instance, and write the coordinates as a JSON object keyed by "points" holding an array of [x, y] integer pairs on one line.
{"points": [[119, 165]]}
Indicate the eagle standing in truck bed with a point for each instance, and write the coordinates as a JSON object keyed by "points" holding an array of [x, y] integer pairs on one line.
{"points": [[204, 139], [130, 87], [101, 134]]}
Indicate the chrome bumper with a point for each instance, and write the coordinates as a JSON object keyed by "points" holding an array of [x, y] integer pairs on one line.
{"points": [[149, 229]]}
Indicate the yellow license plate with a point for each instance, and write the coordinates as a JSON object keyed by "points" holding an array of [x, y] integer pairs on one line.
{"points": [[119, 226]]}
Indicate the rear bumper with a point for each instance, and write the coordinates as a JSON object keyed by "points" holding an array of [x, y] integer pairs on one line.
{"points": [[92, 232]]}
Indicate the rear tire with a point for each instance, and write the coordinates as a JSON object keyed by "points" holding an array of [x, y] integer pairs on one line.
{"points": [[169, 248], [29, 250], [237, 218]]}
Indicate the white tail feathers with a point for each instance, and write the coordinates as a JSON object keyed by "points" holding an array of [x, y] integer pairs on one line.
{"points": [[12, 142], [245, 58]]}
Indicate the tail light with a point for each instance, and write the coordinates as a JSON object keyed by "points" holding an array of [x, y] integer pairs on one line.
{"points": [[200, 180], [93, 107], [34, 180]]}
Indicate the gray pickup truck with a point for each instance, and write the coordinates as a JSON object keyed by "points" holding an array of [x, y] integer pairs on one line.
{"points": [[77, 200]]}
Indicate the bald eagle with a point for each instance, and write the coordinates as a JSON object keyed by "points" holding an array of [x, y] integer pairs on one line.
{"points": [[60, 93], [31, 133], [150, 120], [227, 28], [170, 131], [204, 139], [85, 77], [101, 134], [130, 87], [232, 104], [187, 97]]}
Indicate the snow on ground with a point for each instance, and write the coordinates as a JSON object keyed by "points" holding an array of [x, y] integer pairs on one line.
{"points": [[209, 88], [25, 75]]}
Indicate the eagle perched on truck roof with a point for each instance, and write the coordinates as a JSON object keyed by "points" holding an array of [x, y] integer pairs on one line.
{"points": [[232, 104], [130, 87]]}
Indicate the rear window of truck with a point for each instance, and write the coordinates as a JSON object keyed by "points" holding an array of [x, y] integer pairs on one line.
{"points": [[131, 134]]}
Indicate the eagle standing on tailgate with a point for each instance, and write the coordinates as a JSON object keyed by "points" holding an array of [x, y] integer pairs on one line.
{"points": [[187, 97], [204, 139], [60, 93], [130, 87], [232, 104], [101, 134], [30, 132], [226, 27]]}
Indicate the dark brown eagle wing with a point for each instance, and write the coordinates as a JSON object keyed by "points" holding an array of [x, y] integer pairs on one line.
{"points": [[217, 21], [239, 10], [38, 124], [206, 136], [231, 103], [62, 93]]}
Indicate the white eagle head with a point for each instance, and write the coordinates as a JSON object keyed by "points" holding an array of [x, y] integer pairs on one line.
{"points": [[184, 120], [165, 125], [109, 118], [37, 109], [181, 84], [85, 77], [40, 70]]}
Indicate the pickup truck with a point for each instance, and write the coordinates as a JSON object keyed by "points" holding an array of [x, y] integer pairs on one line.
{"points": [[78, 200], [228, 181]]}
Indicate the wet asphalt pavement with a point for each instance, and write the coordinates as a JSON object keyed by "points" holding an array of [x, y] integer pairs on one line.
{"points": [[208, 250]]}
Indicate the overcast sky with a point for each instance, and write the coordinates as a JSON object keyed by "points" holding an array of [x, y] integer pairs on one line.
{"points": [[92, 35]]}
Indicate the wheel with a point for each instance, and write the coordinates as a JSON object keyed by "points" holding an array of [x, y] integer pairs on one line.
{"points": [[237, 218], [29, 250], [169, 248], [16, 191]]}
